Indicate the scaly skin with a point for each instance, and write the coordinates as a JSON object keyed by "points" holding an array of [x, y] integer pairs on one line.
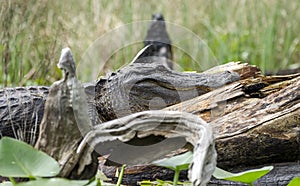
{"points": [[148, 84], [21, 111]]}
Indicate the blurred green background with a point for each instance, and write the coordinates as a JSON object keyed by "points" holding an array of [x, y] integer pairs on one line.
{"points": [[265, 33]]}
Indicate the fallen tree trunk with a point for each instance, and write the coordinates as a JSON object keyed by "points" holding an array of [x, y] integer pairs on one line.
{"points": [[249, 131], [256, 121]]}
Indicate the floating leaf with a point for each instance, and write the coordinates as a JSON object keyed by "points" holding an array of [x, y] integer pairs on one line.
{"points": [[18, 159], [176, 163], [248, 177], [54, 182], [180, 162], [295, 182]]}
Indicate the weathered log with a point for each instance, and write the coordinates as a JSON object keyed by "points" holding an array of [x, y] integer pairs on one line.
{"points": [[251, 131], [66, 117], [169, 124], [262, 112]]}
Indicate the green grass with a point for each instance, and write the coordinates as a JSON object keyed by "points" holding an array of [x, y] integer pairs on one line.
{"points": [[32, 33]]}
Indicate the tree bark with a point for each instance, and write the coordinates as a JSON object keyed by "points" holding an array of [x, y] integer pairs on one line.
{"points": [[252, 131]]}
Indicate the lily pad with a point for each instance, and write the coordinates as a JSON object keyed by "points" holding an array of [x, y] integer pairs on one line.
{"points": [[18, 159], [180, 162], [248, 177], [295, 182], [54, 182]]}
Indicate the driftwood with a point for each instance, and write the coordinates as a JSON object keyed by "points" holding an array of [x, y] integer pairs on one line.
{"points": [[249, 131], [65, 120], [169, 124], [252, 131], [255, 121]]}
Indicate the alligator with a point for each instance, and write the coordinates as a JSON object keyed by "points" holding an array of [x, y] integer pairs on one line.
{"points": [[147, 83]]}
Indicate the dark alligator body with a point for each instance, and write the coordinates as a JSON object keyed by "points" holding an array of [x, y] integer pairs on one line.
{"points": [[21, 111]]}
